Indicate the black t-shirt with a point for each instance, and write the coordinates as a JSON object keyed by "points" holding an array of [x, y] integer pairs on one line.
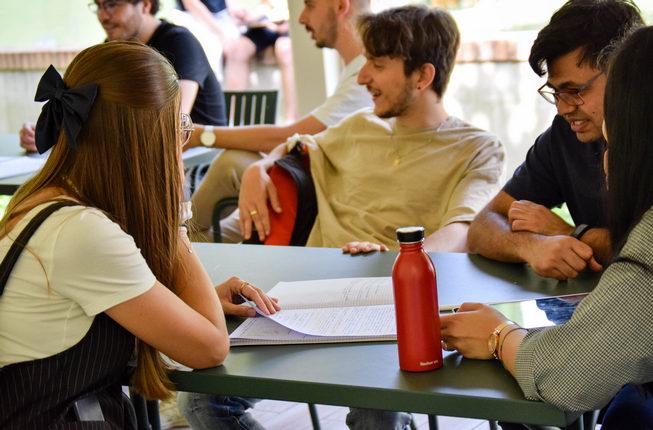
{"points": [[185, 53], [561, 169], [214, 6]]}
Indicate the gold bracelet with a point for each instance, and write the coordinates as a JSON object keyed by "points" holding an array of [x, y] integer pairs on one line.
{"points": [[493, 340], [503, 341]]}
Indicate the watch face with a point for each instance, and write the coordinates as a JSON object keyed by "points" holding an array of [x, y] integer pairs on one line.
{"points": [[207, 138]]}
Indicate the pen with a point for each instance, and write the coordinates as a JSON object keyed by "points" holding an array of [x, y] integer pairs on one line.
{"points": [[251, 304], [449, 308]]}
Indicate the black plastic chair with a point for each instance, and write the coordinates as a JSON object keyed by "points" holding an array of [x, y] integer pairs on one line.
{"points": [[250, 107], [221, 209], [243, 108]]}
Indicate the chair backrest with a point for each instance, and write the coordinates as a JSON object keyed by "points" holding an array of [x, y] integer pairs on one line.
{"points": [[250, 107], [243, 108]]}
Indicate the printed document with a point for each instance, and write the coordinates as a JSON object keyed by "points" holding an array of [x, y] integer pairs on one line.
{"points": [[16, 166], [327, 310]]}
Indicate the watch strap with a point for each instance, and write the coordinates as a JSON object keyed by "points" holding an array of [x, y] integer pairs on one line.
{"points": [[579, 231], [493, 341]]}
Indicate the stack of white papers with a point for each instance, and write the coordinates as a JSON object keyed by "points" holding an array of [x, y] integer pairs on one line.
{"points": [[23, 165], [322, 311]]}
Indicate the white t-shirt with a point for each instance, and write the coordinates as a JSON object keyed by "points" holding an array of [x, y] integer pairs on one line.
{"points": [[347, 98], [77, 264]]}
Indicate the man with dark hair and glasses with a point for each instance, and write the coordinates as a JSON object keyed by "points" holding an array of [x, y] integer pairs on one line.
{"points": [[565, 163], [201, 94]]}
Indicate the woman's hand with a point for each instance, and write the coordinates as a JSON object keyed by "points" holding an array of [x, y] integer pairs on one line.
{"points": [[255, 190], [354, 248], [469, 329], [229, 293]]}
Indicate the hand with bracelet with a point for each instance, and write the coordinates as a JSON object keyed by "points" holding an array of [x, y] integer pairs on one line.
{"points": [[481, 332]]}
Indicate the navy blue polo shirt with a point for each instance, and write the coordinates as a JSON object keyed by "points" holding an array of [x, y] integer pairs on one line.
{"points": [[561, 169]]}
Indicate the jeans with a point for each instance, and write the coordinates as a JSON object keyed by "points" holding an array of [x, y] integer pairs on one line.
{"points": [[629, 409], [211, 412]]}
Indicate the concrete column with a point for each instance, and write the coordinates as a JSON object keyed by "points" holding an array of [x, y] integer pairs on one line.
{"points": [[309, 64]]}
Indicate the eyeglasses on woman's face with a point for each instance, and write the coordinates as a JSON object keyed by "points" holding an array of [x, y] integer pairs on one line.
{"points": [[571, 96], [186, 128]]}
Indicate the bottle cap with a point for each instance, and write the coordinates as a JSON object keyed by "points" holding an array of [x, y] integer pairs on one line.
{"points": [[410, 234]]}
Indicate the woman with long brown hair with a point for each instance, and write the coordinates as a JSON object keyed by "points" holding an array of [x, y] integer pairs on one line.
{"points": [[94, 251]]}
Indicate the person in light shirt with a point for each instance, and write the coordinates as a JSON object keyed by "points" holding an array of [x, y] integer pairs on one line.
{"points": [[331, 24], [96, 263], [404, 161]]}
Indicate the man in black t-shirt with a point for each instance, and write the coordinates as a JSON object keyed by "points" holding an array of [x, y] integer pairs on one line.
{"points": [[196, 77], [201, 94], [565, 163]]}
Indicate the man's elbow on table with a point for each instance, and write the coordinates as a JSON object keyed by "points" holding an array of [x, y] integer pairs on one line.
{"points": [[475, 235]]}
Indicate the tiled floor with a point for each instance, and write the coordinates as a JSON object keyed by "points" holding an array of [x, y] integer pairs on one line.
{"points": [[277, 415]]}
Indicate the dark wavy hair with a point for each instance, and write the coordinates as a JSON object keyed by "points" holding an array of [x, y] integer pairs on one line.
{"points": [[416, 34], [154, 9], [591, 25]]}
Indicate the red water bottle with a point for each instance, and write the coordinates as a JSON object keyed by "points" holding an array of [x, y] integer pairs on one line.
{"points": [[416, 304]]}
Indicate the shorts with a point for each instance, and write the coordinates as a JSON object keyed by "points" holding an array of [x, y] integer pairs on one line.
{"points": [[262, 37]]}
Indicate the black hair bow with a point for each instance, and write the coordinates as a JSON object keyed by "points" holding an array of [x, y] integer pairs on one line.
{"points": [[65, 106]]}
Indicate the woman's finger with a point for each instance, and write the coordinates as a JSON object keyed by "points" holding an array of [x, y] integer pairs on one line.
{"points": [[470, 306], [238, 310], [254, 294]]}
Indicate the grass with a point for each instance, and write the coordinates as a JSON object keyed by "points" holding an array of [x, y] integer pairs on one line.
{"points": [[563, 212], [3, 204]]}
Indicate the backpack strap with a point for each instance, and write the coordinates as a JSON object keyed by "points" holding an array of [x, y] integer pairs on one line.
{"points": [[8, 263]]}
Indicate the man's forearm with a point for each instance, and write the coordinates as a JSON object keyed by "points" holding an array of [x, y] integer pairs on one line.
{"points": [[450, 238], [599, 240], [491, 236], [258, 138]]}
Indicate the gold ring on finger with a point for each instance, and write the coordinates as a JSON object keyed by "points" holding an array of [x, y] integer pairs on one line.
{"points": [[253, 212]]}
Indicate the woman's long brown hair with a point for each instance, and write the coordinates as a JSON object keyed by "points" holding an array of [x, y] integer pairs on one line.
{"points": [[126, 164]]}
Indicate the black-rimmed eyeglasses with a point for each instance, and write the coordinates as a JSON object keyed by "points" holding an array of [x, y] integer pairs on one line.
{"points": [[571, 96]]}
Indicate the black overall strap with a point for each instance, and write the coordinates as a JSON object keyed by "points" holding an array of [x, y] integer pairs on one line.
{"points": [[19, 244]]}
